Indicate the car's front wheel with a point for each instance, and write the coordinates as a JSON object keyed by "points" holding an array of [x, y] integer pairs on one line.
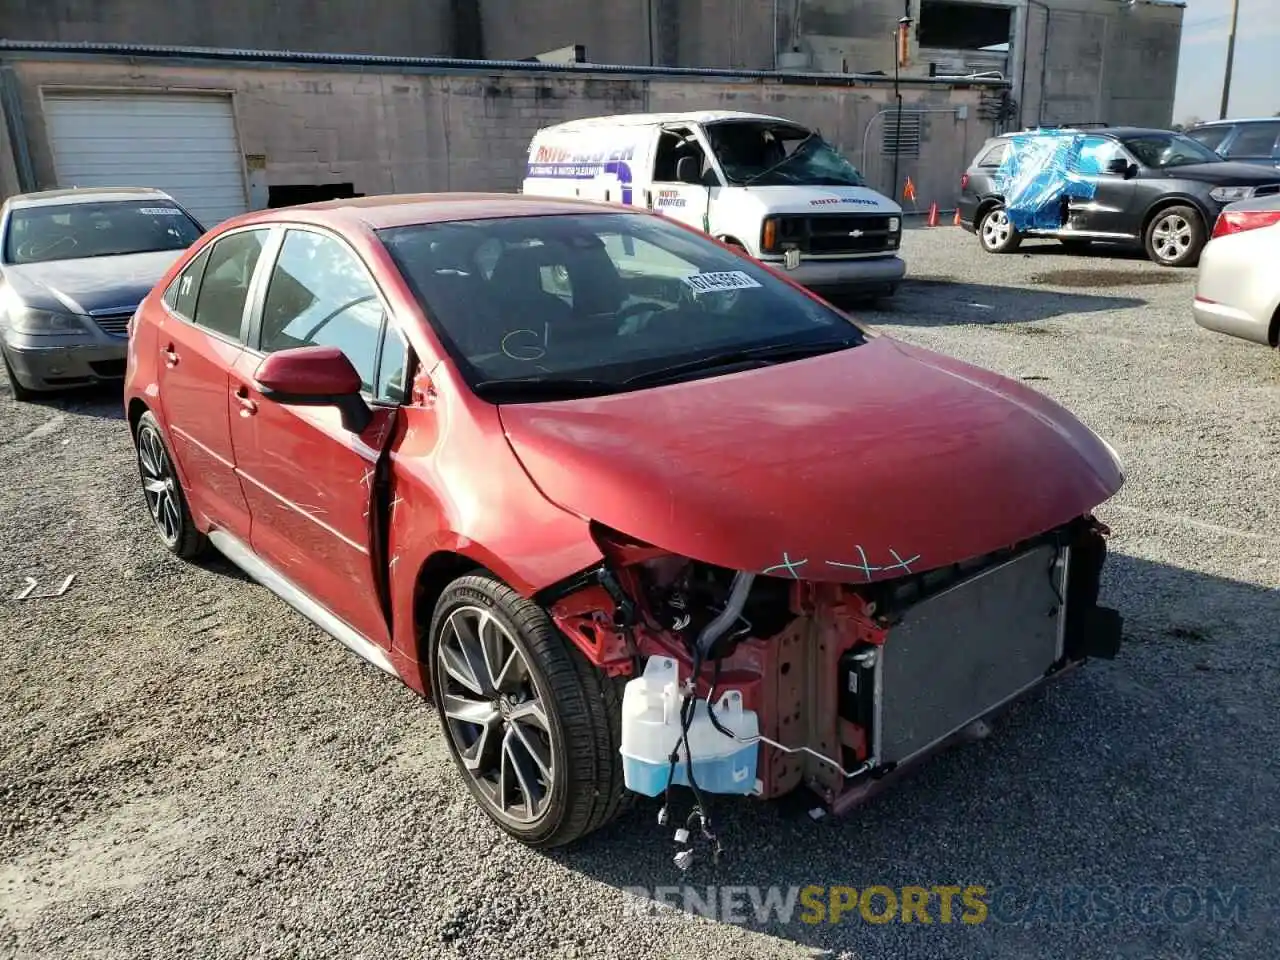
{"points": [[163, 492], [996, 231], [1175, 236], [532, 726]]}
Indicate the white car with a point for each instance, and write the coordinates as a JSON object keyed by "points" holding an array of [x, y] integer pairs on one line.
{"points": [[1238, 286]]}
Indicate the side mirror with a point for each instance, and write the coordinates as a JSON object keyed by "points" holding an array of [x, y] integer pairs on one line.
{"points": [[689, 170], [1118, 165], [315, 377]]}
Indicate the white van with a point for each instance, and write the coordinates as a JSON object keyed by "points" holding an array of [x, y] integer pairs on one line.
{"points": [[767, 185]]}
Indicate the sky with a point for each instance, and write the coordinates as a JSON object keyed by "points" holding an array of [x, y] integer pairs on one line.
{"points": [[1255, 78]]}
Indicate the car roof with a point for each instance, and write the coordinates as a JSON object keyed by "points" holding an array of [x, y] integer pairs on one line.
{"points": [[402, 210], [650, 119], [74, 195], [1089, 131], [1227, 123]]}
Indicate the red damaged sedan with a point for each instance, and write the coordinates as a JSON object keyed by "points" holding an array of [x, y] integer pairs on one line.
{"points": [[633, 510]]}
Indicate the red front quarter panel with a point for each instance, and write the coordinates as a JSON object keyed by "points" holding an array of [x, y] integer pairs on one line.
{"points": [[458, 488]]}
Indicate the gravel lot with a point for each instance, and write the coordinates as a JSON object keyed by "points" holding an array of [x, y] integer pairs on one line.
{"points": [[188, 768]]}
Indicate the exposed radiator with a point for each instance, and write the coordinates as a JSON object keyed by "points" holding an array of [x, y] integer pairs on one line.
{"points": [[968, 649]]}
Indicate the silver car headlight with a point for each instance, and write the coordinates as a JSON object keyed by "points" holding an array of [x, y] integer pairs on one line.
{"points": [[1228, 194], [28, 320]]}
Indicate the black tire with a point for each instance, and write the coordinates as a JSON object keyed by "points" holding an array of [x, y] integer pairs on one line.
{"points": [[582, 707], [1077, 246], [996, 233], [1175, 236], [20, 393], [168, 508]]}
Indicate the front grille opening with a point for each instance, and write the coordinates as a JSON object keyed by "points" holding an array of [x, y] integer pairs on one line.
{"points": [[116, 324], [837, 233]]}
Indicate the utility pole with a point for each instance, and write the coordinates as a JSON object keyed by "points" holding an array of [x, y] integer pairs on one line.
{"points": [[1231, 55]]}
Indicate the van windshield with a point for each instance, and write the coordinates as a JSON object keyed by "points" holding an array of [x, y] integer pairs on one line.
{"points": [[558, 306], [759, 153]]}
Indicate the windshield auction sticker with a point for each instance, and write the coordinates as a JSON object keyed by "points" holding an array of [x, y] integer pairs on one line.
{"points": [[715, 282]]}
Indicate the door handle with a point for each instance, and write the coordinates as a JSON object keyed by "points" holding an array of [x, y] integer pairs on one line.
{"points": [[247, 407], [170, 356]]}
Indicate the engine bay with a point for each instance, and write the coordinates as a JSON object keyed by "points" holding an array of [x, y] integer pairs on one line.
{"points": [[845, 684]]}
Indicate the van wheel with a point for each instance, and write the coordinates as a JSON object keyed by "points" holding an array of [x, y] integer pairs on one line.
{"points": [[1175, 237], [533, 727], [996, 231]]}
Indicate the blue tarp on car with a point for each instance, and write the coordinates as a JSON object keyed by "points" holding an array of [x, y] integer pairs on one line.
{"points": [[1040, 169]]}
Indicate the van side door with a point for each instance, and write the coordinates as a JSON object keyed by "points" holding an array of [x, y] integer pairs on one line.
{"points": [[683, 177]]}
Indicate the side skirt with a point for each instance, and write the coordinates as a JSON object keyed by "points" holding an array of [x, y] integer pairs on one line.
{"points": [[286, 590]]}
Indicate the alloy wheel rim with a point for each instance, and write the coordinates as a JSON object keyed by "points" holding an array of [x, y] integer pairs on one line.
{"points": [[995, 229], [159, 485], [1172, 237], [495, 715]]}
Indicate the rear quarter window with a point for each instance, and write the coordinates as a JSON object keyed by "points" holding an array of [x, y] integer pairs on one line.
{"points": [[1210, 137], [181, 295], [993, 155]]}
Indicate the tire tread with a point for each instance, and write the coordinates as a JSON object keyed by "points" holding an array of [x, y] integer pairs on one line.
{"points": [[587, 702]]}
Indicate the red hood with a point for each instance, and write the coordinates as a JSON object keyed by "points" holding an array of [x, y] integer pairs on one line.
{"points": [[852, 466]]}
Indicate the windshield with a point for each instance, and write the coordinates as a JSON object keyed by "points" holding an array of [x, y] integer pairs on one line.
{"points": [[598, 299], [771, 155], [1161, 150], [112, 228]]}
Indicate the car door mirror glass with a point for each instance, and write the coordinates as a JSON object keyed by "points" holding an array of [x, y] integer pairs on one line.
{"points": [[318, 376]]}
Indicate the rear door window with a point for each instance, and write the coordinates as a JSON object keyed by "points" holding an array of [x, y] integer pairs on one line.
{"points": [[1254, 140], [1095, 154], [225, 286]]}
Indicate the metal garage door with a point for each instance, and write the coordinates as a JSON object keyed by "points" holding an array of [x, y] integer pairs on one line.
{"points": [[184, 145]]}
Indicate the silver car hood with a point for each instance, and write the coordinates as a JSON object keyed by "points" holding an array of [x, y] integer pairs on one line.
{"points": [[89, 285]]}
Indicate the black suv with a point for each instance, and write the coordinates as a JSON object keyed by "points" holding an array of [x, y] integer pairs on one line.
{"points": [[1113, 184]]}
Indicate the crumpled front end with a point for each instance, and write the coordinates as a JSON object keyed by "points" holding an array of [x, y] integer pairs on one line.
{"points": [[846, 684]]}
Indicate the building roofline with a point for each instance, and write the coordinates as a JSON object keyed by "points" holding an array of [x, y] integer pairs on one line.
{"points": [[39, 49]]}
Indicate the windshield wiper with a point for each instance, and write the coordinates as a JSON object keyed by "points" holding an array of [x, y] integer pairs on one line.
{"points": [[543, 388], [781, 163], [771, 353]]}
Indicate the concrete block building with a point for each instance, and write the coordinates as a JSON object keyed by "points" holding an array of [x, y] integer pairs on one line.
{"points": [[270, 104]]}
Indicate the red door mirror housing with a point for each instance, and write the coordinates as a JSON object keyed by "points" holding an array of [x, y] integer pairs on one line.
{"points": [[315, 377]]}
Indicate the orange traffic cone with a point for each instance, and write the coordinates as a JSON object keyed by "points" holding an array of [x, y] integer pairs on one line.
{"points": [[933, 214], [956, 221]]}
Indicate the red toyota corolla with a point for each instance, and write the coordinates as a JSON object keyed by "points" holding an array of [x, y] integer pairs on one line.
{"points": [[548, 461]]}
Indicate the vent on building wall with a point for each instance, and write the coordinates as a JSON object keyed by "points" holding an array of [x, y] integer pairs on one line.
{"points": [[901, 140]]}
